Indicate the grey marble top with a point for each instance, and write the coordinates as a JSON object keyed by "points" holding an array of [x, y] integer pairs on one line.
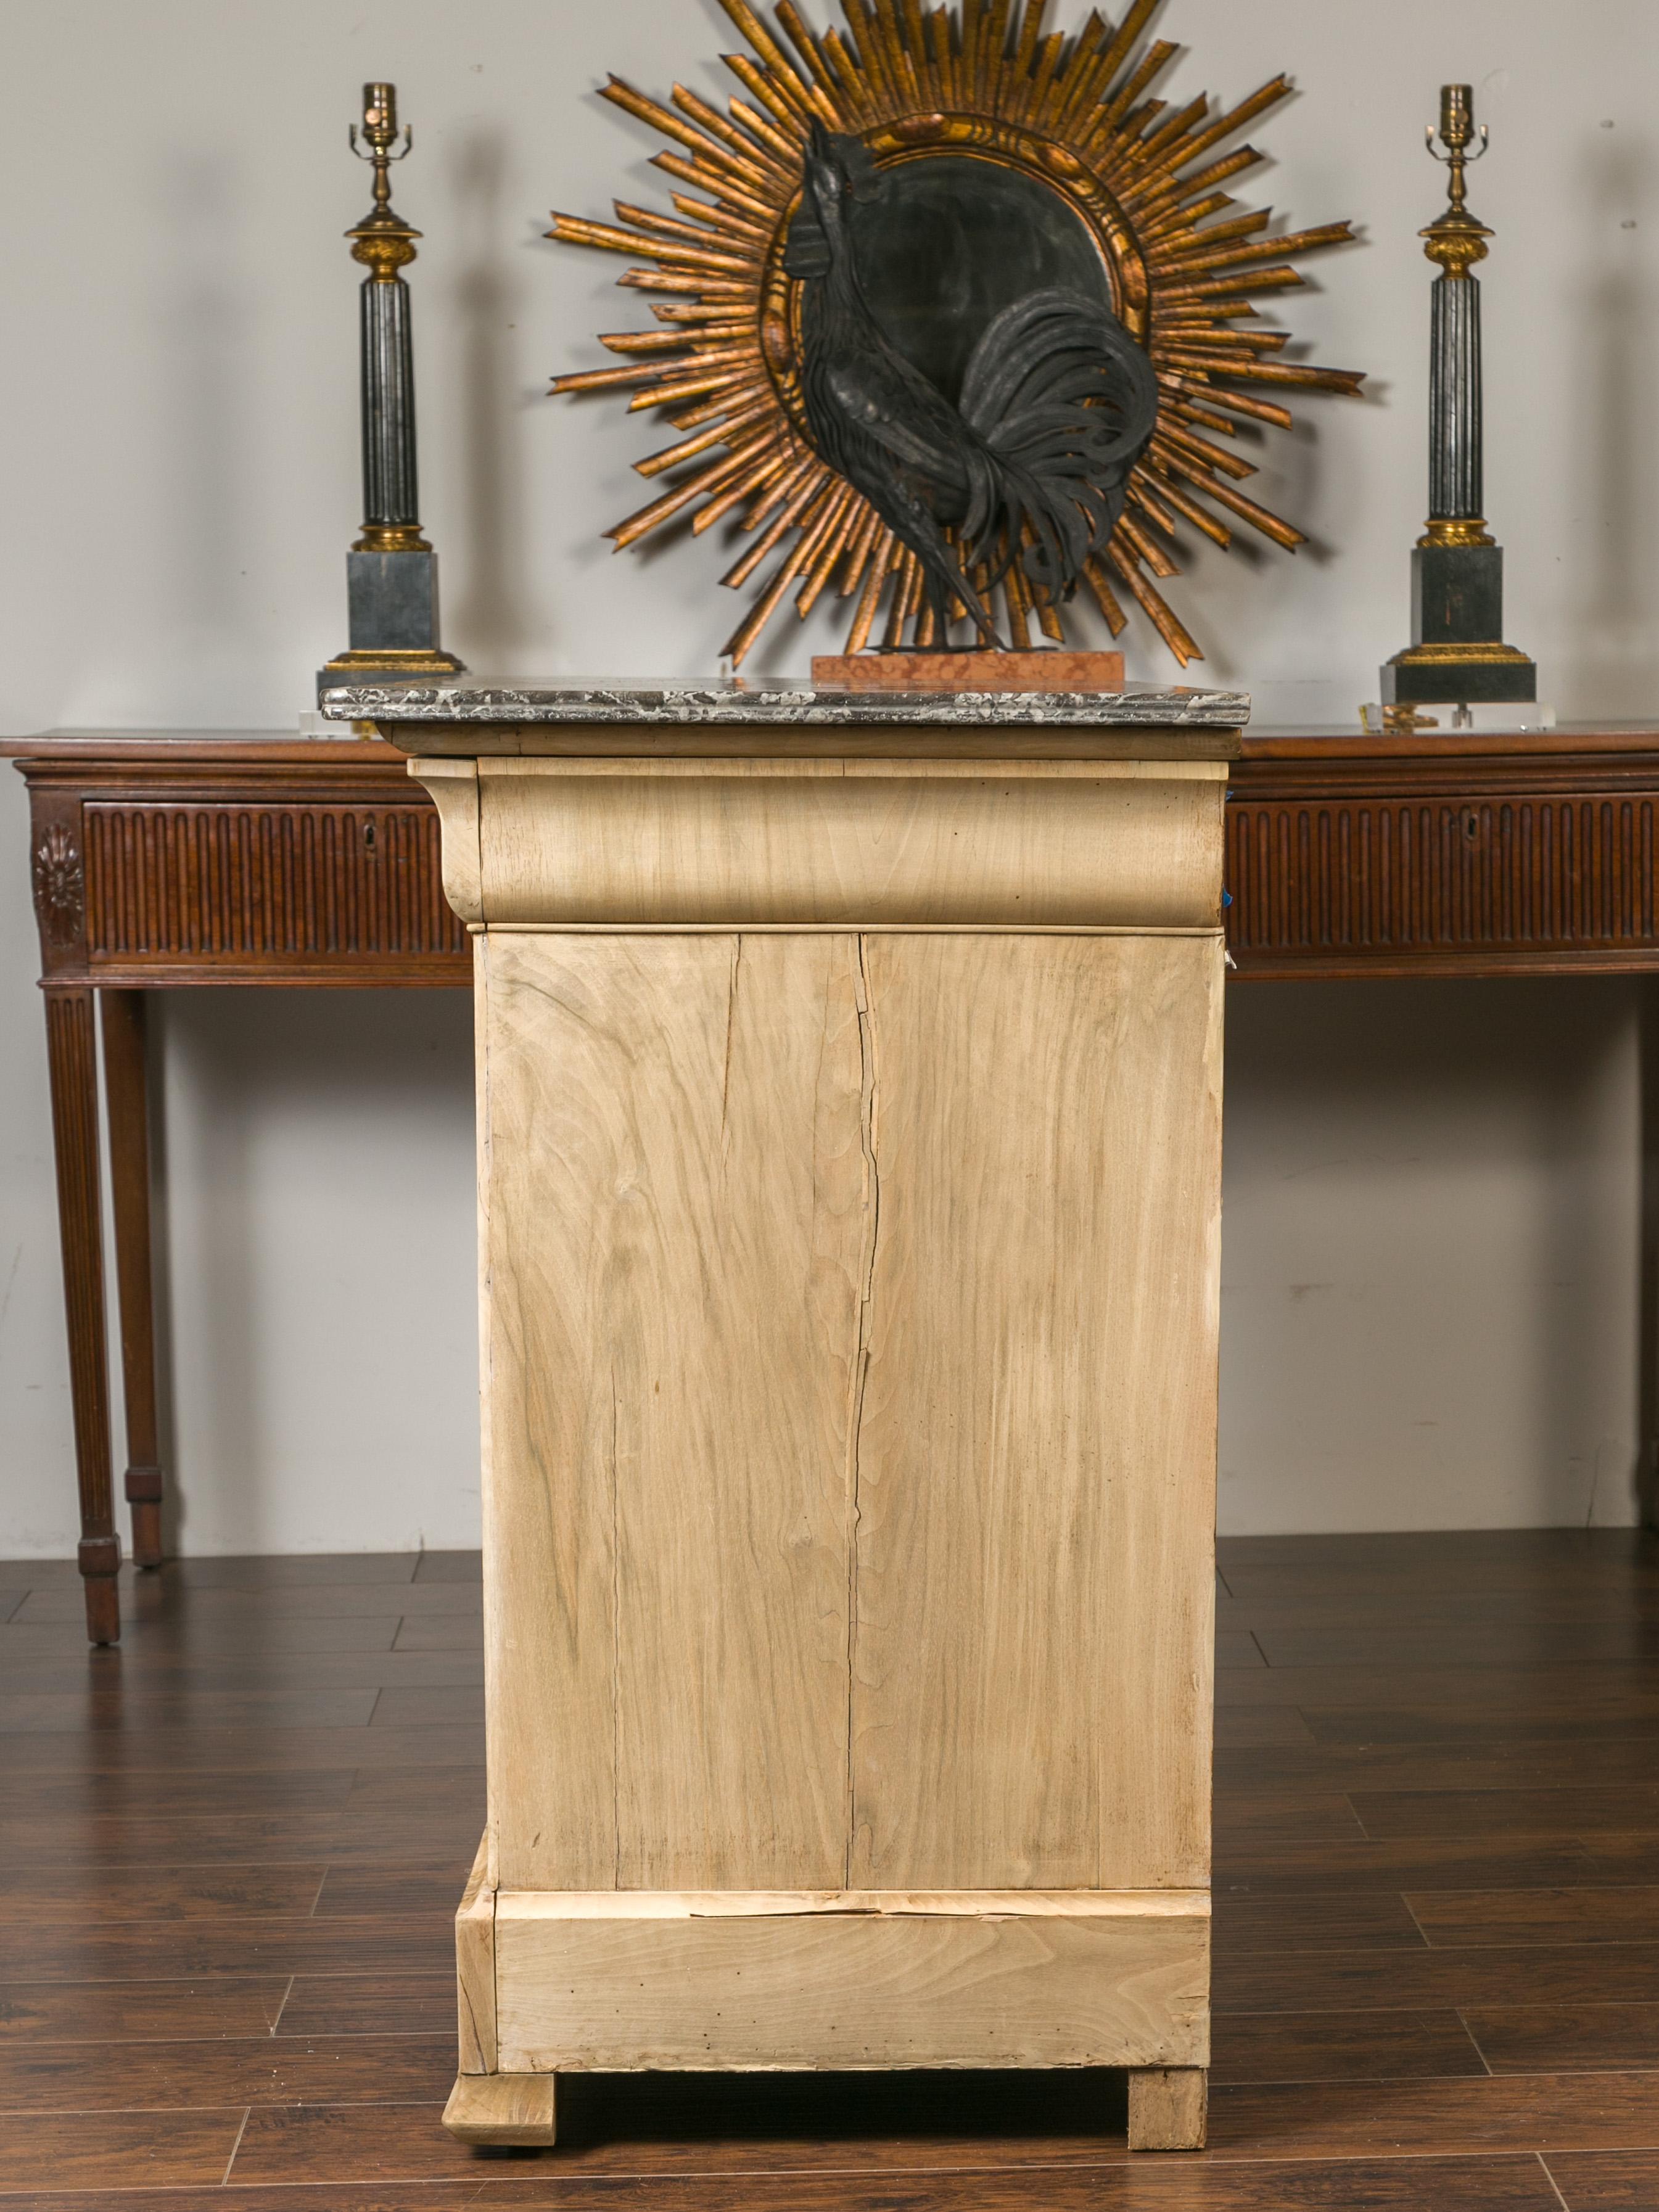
{"points": [[779, 701]]}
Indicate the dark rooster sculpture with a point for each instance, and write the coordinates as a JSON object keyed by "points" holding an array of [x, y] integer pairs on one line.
{"points": [[1057, 405]]}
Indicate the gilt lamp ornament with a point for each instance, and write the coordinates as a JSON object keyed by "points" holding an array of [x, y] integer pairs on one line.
{"points": [[1457, 656], [392, 572], [954, 318]]}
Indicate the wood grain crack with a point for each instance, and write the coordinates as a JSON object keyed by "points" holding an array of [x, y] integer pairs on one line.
{"points": [[868, 1101], [731, 1025]]}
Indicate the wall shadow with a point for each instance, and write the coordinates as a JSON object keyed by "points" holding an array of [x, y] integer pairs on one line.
{"points": [[491, 613], [1612, 662]]}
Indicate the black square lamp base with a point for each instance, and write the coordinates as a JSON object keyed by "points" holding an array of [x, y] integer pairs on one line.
{"points": [[1457, 621], [393, 603]]}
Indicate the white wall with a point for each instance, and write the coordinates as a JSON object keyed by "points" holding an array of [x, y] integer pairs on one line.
{"points": [[1430, 1190], [1429, 1256]]}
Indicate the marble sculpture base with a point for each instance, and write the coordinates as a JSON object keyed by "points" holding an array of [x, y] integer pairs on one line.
{"points": [[1094, 672]]}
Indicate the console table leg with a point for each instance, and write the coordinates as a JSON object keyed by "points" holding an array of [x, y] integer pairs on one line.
{"points": [[72, 1058], [1646, 1002], [123, 1018]]}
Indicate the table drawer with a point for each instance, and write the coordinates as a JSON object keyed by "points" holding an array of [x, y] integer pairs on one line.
{"points": [[249, 885], [1467, 883]]}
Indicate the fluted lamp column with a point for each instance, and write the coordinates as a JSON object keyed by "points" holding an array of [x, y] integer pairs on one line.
{"points": [[392, 572], [1457, 654]]}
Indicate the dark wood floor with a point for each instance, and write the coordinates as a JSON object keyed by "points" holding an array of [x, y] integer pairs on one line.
{"points": [[229, 1854]]}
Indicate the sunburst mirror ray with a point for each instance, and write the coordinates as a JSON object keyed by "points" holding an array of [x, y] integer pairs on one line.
{"points": [[1144, 183]]}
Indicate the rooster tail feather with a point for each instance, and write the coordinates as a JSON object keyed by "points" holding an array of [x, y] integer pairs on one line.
{"points": [[1065, 401]]}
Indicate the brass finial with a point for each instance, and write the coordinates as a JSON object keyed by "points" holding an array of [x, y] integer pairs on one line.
{"points": [[1456, 241], [1457, 133], [382, 241]]}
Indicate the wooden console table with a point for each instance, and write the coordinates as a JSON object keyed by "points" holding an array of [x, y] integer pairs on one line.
{"points": [[1445, 854], [161, 862]]}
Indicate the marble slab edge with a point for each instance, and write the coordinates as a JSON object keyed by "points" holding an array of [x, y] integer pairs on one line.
{"points": [[782, 706]]}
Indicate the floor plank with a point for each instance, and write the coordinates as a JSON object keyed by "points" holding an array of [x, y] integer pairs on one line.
{"points": [[113, 1706], [412, 1792], [1491, 1558], [440, 1631], [163, 1791], [1424, 1862], [370, 2003], [1443, 1767], [292, 1944], [1335, 2046], [1244, 1728], [1620, 1915], [1264, 1818], [1625, 1640], [431, 1887], [264, 2069], [113, 2151], [1576, 1717], [307, 1569], [293, 1599], [422, 1708], [200, 1750], [102, 1895], [1426, 1980], [1506, 1812], [141, 2012], [106, 1839], [1510, 1696], [449, 1567], [1543, 2112], [1562, 1600], [65, 1637], [1590, 2183], [1329, 1920], [1538, 2039], [178, 1671]]}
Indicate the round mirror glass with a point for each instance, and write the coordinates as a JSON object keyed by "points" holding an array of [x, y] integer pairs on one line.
{"points": [[951, 242]]}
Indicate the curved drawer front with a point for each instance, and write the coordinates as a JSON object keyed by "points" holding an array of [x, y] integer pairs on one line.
{"points": [[804, 844]]}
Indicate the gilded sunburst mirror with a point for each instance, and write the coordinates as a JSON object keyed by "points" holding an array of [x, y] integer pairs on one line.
{"points": [[1003, 160]]}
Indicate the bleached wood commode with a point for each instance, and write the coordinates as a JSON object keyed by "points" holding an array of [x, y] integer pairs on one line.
{"points": [[849, 1076]]}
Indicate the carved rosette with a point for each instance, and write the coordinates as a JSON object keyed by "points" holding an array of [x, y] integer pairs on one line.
{"points": [[60, 885]]}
